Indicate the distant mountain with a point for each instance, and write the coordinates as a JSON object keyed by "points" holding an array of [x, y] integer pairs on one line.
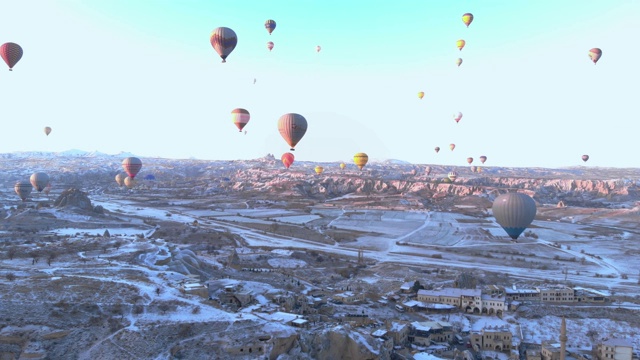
{"points": [[67, 153]]}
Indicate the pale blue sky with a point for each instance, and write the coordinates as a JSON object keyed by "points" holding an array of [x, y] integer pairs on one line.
{"points": [[140, 76]]}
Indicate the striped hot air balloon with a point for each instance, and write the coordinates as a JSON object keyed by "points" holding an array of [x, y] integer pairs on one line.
{"points": [[11, 53], [223, 40], [452, 175], [467, 18], [360, 159], [270, 25], [460, 44], [132, 166], [292, 127], [240, 118], [514, 212], [595, 54]]}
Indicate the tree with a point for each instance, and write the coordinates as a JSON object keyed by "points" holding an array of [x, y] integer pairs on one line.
{"points": [[11, 252], [10, 276], [416, 286]]}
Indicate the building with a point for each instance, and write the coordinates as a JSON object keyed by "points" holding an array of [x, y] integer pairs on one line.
{"points": [[493, 304], [590, 295], [426, 332], [521, 295], [617, 349], [398, 331], [468, 300], [558, 294], [348, 297], [492, 338], [550, 351]]}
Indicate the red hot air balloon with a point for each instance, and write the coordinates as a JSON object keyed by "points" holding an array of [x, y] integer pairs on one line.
{"points": [[292, 127], [594, 55], [11, 53], [223, 40], [240, 118], [457, 117], [469, 160], [132, 166], [287, 159], [270, 45]]}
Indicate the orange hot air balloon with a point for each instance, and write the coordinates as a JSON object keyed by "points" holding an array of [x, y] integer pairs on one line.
{"points": [[319, 170], [47, 130], [223, 40], [287, 159], [585, 158], [458, 61], [467, 19], [452, 146], [421, 94], [437, 149], [132, 166], [360, 159], [270, 45], [460, 44], [594, 55], [11, 53], [240, 118], [469, 160], [292, 127], [343, 165], [483, 159], [457, 116]]}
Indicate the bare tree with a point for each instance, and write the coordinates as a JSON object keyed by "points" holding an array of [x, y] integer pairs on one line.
{"points": [[11, 252]]}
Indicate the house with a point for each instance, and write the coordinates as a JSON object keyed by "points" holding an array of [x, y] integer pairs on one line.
{"points": [[496, 338], [550, 351], [348, 297], [590, 295], [493, 304], [468, 300], [398, 331], [557, 294], [427, 332], [618, 349], [521, 294]]}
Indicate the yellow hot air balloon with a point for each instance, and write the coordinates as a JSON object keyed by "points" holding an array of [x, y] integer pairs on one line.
{"points": [[467, 19], [360, 159], [129, 182], [460, 44], [319, 169], [343, 165], [421, 94]]}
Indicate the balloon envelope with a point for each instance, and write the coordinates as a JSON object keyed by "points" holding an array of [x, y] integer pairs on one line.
{"points": [[223, 40], [483, 159], [343, 165], [270, 25], [39, 180], [47, 130], [421, 94], [131, 166], [318, 48], [514, 212], [469, 160], [459, 61], [585, 158], [595, 54], [23, 189], [318, 170], [240, 118], [467, 19], [452, 175], [120, 179], [452, 146], [360, 159], [437, 148], [11, 53], [292, 127], [460, 44], [457, 116], [129, 182], [287, 159], [270, 45]]}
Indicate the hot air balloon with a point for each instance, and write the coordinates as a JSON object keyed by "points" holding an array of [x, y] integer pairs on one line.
{"points": [[47, 130], [223, 40], [437, 149], [270, 45], [421, 94], [427, 170], [11, 53], [469, 160], [474, 169], [292, 127], [457, 116], [240, 118], [483, 159], [270, 25], [131, 166], [120, 179], [318, 48], [129, 182], [585, 158], [452, 146], [39, 180], [514, 212], [23, 189], [452, 175], [342, 166], [467, 19], [460, 44], [47, 188], [318, 170], [287, 159], [594, 55], [459, 61], [360, 159]]}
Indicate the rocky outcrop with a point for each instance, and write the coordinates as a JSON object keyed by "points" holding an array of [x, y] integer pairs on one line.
{"points": [[78, 200]]}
